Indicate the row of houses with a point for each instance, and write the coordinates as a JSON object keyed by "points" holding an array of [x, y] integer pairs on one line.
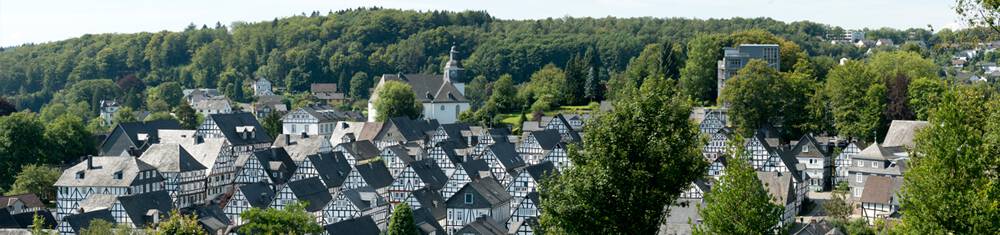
{"points": [[788, 170], [458, 178]]}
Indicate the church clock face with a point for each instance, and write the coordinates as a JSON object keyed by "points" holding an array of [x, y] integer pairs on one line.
{"points": [[453, 74]]}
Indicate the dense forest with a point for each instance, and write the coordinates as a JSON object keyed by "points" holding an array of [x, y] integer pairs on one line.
{"points": [[296, 51]]}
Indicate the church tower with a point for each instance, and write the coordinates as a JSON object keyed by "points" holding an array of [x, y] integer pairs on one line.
{"points": [[453, 71]]}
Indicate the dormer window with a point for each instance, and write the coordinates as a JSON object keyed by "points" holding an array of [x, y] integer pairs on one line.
{"points": [[805, 148], [468, 198], [117, 175], [79, 175]]}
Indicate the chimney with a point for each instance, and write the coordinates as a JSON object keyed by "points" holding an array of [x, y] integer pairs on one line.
{"points": [[288, 140], [90, 162], [305, 135]]}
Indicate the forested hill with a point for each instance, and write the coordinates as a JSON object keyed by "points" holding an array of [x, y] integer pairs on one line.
{"points": [[296, 51]]}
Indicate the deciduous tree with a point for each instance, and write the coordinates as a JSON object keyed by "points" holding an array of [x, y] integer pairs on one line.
{"points": [[292, 220], [37, 179], [699, 75], [738, 202], [396, 99], [68, 139], [402, 221]]}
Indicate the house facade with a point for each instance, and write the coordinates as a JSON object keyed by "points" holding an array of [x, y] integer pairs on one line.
{"points": [[442, 96]]}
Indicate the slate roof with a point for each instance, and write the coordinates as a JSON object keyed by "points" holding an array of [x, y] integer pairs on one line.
{"points": [[133, 130], [547, 139], [814, 147], [215, 103], [211, 217], [171, 158], [541, 169], [311, 190], [880, 189], [25, 219], [362, 149], [376, 174], [299, 146], [487, 188], [323, 87], [276, 155], [29, 199], [137, 206], [780, 186], [411, 129], [874, 152], [475, 168], [431, 200], [103, 173], [507, 154], [364, 225], [902, 133], [229, 122], [426, 222], [449, 148], [531, 222], [429, 88], [97, 202], [81, 221], [429, 172], [332, 168], [400, 152], [205, 151], [483, 226], [326, 113], [357, 197], [258, 194], [454, 132]]}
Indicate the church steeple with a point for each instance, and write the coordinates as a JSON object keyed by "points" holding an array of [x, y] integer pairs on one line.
{"points": [[452, 70]]}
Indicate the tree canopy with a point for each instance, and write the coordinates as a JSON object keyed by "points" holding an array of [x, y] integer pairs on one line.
{"points": [[292, 219], [396, 99]]}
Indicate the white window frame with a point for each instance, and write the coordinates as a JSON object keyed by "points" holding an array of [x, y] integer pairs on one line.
{"points": [[859, 178], [874, 164]]}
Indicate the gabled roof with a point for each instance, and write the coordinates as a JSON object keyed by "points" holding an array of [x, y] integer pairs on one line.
{"points": [[483, 226], [364, 225], [902, 133], [507, 154], [132, 131], [411, 129], [323, 87], [542, 169], [299, 146], [29, 199], [258, 194], [97, 201], [364, 198], [429, 172], [232, 126], [475, 167], [547, 139], [211, 217], [78, 222], [400, 152], [531, 222], [431, 200], [428, 87], [362, 149], [331, 167], [880, 189], [487, 188], [814, 150], [454, 132], [449, 148], [138, 206], [375, 174], [780, 186], [426, 222], [103, 173], [326, 113], [276, 160], [171, 158], [311, 190]]}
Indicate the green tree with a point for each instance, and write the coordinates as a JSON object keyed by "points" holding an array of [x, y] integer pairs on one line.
{"points": [[838, 207], [158, 116], [37, 179], [360, 83], [980, 13], [846, 88], [504, 95], [477, 91], [738, 202], [951, 186], [576, 78], [169, 92], [759, 96], [272, 123], [789, 51], [548, 88], [69, 139], [872, 111], [925, 94], [699, 75], [21, 139], [635, 161], [396, 99], [54, 110], [186, 116], [179, 224], [38, 225], [292, 220], [402, 221], [662, 60], [124, 115]]}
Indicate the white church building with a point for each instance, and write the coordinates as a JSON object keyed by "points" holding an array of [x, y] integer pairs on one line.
{"points": [[442, 96]]}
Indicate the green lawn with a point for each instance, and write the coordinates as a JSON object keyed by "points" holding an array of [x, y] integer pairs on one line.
{"points": [[513, 118]]}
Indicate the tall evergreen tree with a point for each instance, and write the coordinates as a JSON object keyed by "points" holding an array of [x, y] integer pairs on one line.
{"points": [[635, 161], [576, 77], [592, 90]]}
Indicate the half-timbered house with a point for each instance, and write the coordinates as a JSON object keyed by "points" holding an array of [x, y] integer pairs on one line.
{"points": [[479, 198], [879, 199], [273, 166], [184, 175], [118, 176], [255, 195], [818, 166], [243, 135], [469, 170], [308, 190], [355, 203], [504, 161]]}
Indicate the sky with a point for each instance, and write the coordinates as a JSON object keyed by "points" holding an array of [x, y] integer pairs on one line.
{"points": [[37, 21]]}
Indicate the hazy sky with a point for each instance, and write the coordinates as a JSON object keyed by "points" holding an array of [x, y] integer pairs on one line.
{"points": [[24, 21]]}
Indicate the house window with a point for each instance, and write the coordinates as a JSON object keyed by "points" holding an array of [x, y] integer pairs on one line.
{"points": [[118, 175], [805, 148], [874, 164], [468, 198], [79, 175], [442, 107], [857, 192], [861, 163], [859, 178]]}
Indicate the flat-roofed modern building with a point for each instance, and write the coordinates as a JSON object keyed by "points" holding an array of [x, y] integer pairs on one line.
{"points": [[734, 58]]}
